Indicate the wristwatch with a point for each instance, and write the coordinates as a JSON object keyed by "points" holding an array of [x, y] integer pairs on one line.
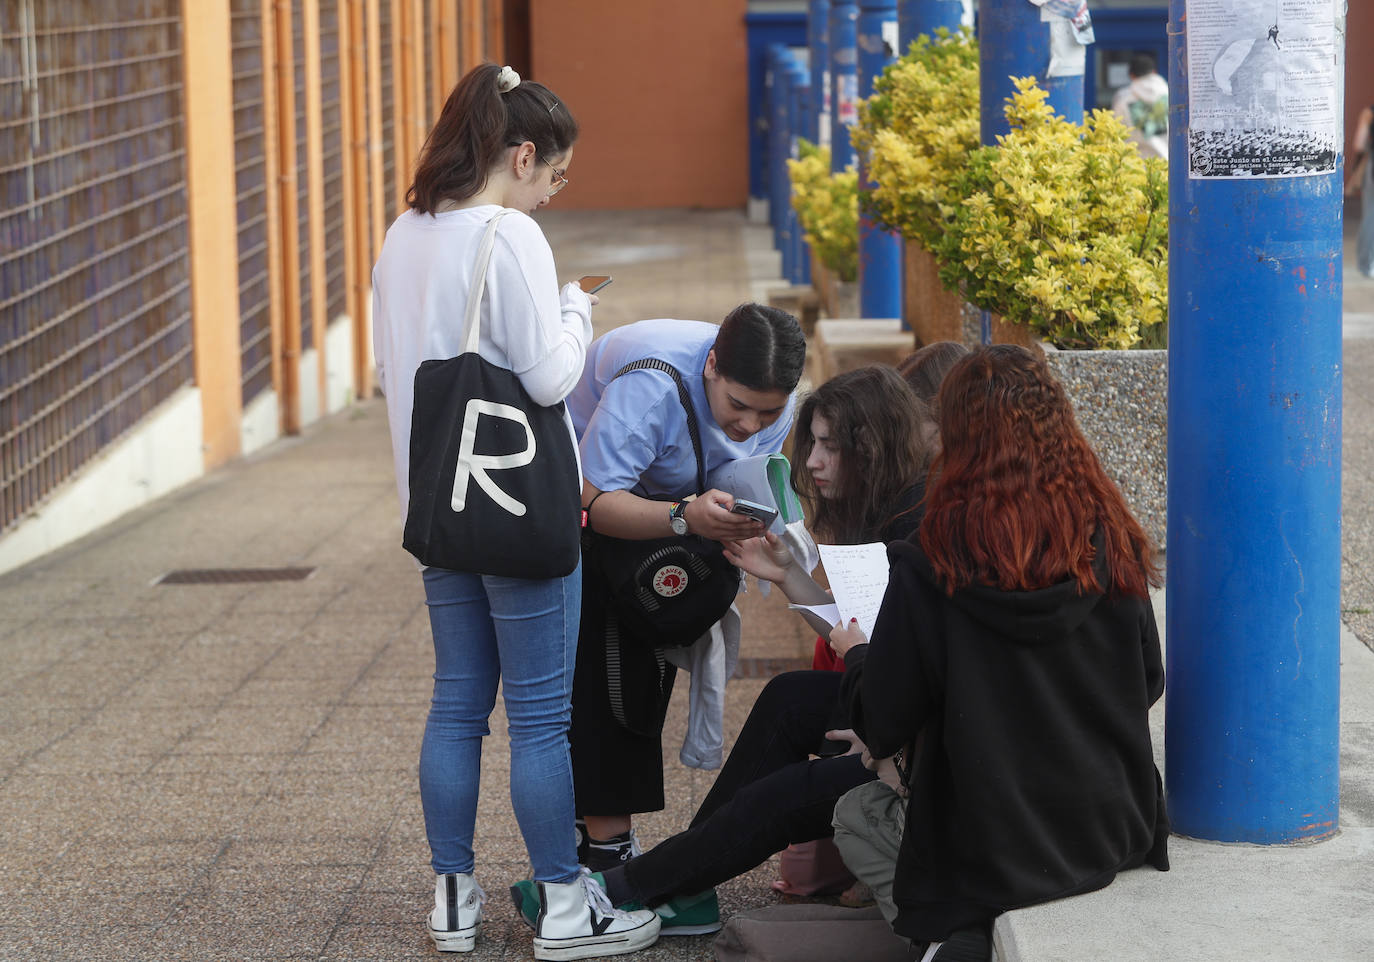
{"points": [[677, 517]]}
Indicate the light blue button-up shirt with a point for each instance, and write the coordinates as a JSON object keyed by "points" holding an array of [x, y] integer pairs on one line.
{"points": [[633, 432]]}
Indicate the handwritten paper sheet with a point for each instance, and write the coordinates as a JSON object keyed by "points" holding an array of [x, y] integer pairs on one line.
{"points": [[858, 578]]}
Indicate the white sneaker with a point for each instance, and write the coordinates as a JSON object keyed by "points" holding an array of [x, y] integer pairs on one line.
{"points": [[577, 921], [457, 913]]}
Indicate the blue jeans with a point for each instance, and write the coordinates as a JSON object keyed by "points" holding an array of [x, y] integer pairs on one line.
{"points": [[523, 634]]}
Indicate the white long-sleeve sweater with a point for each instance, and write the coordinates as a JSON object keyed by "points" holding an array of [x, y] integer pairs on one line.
{"points": [[420, 287]]}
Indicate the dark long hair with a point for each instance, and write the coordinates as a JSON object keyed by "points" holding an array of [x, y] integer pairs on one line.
{"points": [[873, 418], [924, 370], [761, 347], [477, 123], [1017, 494]]}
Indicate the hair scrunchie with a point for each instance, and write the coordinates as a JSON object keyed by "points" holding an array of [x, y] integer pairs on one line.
{"points": [[507, 80]]}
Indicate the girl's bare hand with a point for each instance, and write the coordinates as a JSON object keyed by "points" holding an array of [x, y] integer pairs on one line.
{"points": [[845, 636], [765, 558]]}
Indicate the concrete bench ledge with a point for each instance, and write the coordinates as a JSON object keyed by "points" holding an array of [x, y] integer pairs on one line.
{"points": [[842, 344], [1234, 903]]}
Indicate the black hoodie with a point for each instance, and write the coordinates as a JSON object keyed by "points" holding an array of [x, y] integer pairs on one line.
{"points": [[1036, 777]]}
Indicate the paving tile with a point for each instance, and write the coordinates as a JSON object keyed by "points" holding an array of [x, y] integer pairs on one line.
{"points": [[28, 726], [219, 934], [366, 729], [89, 905], [297, 849], [249, 729], [56, 939], [397, 943], [264, 765], [175, 862], [320, 816]]}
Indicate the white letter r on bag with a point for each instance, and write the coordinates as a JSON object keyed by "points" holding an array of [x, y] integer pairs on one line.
{"points": [[476, 466]]}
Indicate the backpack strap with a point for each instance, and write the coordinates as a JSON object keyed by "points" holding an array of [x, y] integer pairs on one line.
{"points": [[654, 364], [615, 677]]}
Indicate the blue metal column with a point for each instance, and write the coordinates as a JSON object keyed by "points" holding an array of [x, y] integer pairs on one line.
{"points": [[779, 184], [915, 17], [799, 104], [763, 30], [880, 252], [1254, 519], [1014, 42], [844, 82], [818, 40]]}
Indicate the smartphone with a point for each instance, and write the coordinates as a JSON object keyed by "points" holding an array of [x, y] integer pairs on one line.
{"points": [[592, 283], [752, 509]]}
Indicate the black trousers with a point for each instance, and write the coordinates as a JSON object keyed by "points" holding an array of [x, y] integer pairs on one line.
{"points": [[617, 770], [769, 793]]}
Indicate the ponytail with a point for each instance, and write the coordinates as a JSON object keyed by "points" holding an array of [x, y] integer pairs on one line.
{"points": [[478, 122]]}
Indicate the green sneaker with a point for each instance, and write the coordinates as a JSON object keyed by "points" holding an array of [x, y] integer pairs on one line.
{"points": [[525, 895], [690, 914], [526, 898]]}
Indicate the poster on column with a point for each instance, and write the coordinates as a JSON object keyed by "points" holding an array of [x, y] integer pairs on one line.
{"points": [[1265, 87]]}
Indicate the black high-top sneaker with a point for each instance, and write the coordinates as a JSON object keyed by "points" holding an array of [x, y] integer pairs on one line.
{"points": [[608, 853], [583, 840]]}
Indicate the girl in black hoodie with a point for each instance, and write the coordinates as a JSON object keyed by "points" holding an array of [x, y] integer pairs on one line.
{"points": [[1017, 649]]}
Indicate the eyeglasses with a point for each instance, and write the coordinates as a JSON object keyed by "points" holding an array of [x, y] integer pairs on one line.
{"points": [[559, 181]]}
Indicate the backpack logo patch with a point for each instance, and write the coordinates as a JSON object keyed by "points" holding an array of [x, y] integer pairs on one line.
{"points": [[670, 580]]}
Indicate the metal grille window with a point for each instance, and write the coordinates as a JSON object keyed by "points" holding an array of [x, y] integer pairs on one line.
{"points": [[388, 113], [429, 110], [250, 167], [94, 279], [302, 176], [332, 124]]}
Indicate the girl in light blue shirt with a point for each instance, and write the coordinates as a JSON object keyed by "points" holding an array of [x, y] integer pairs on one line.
{"points": [[638, 468]]}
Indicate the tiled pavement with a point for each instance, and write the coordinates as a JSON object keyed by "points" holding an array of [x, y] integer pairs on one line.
{"points": [[227, 772]]}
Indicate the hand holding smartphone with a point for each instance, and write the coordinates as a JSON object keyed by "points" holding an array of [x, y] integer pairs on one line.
{"points": [[591, 283], [761, 513]]}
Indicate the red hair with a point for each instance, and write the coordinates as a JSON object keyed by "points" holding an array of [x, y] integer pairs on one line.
{"points": [[1018, 494]]}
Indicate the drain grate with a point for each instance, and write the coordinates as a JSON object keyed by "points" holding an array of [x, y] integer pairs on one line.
{"points": [[768, 667], [231, 576]]}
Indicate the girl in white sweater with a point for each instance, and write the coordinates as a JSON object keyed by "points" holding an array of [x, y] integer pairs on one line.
{"points": [[499, 143]]}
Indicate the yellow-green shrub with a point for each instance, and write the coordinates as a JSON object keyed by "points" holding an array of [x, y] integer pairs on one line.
{"points": [[828, 207], [918, 128], [1062, 227]]}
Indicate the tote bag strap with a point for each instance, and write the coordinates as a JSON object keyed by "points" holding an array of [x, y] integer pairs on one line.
{"points": [[654, 364], [472, 323]]}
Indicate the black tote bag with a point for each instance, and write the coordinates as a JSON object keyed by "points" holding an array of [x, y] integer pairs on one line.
{"points": [[494, 484]]}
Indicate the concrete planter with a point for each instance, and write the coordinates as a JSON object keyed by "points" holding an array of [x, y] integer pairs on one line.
{"points": [[1121, 401], [1003, 332], [1119, 397]]}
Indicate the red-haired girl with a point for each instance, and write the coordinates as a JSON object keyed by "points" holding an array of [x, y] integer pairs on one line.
{"points": [[1016, 649]]}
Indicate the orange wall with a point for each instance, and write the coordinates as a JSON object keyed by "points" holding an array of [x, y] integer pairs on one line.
{"points": [[661, 93]]}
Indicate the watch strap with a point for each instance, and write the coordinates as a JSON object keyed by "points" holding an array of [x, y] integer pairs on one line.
{"points": [[677, 512]]}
